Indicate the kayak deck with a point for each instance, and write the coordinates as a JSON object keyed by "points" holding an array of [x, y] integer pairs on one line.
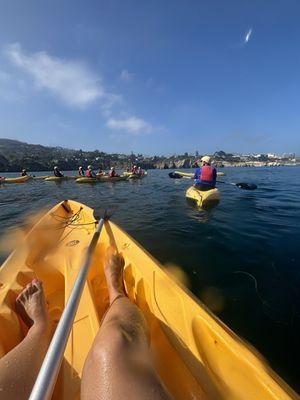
{"points": [[203, 198], [196, 355]]}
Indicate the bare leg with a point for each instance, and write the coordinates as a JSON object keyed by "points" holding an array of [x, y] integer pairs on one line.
{"points": [[19, 367], [119, 364]]}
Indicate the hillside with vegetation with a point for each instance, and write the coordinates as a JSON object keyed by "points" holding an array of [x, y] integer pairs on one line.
{"points": [[16, 155]]}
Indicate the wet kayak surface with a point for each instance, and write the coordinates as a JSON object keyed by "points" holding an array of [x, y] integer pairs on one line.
{"points": [[241, 257]]}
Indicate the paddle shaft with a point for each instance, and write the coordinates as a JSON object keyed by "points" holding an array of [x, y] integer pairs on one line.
{"points": [[44, 384]]}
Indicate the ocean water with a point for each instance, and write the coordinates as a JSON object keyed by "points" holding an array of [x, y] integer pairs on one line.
{"points": [[241, 257]]}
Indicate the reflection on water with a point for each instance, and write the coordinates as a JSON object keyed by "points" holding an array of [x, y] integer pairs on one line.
{"points": [[240, 257]]}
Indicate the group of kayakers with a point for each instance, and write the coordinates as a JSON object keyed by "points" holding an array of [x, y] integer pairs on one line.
{"points": [[136, 171], [204, 179], [90, 172]]}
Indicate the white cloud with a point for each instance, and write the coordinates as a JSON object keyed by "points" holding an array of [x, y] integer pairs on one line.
{"points": [[133, 125], [126, 76], [73, 82], [247, 36]]}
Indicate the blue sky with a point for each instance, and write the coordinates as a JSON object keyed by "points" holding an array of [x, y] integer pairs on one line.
{"points": [[152, 76]]}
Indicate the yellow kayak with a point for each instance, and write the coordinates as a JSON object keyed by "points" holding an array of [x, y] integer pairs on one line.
{"points": [[19, 179], [41, 178], [191, 174], [60, 179], [203, 198], [101, 179], [196, 355]]}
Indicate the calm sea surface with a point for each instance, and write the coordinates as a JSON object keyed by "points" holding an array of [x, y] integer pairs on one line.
{"points": [[242, 257]]}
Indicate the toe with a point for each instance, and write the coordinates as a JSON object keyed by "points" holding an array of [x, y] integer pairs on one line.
{"points": [[38, 285], [31, 289], [22, 298]]}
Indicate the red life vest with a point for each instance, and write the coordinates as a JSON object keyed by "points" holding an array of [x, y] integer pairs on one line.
{"points": [[207, 173], [88, 173]]}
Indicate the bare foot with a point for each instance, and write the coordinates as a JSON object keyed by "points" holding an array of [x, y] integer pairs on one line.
{"points": [[31, 305], [113, 270]]}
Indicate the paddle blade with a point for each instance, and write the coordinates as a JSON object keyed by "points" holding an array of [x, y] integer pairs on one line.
{"points": [[174, 175], [104, 213], [246, 186]]}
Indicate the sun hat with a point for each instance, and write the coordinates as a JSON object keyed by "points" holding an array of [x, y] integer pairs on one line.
{"points": [[206, 159]]}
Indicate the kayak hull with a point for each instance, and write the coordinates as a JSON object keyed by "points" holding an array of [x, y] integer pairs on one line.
{"points": [[41, 178], [101, 179], [195, 354], [19, 179], [58, 179], [203, 198]]}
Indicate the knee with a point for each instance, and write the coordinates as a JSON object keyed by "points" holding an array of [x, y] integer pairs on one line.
{"points": [[117, 337], [124, 334]]}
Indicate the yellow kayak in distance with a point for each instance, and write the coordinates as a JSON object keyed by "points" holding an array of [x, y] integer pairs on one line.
{"points": [[40, 178], [101, 179], [203, 198], [19, 179], [191, 174], [195, 354], [60, 179]]}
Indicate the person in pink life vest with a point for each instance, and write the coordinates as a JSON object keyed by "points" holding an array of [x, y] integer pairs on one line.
{"points": [[89, 173], [112, 173], [205, 176], [133, 170], [139, 171]]}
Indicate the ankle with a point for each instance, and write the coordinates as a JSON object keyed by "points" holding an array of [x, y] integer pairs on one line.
{"points": [[114, 295], [41, 327]]}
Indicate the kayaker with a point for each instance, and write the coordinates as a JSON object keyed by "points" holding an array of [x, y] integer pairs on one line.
{"points": [[139, 171], [205, 176], [118, 365], [81, 171], [89, 173], [57, 172], [112, 173], [24, 172], [133, 170], [100, 172]]}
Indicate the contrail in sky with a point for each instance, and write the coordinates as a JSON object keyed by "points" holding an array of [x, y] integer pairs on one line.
{"points": [[247, 37]]}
